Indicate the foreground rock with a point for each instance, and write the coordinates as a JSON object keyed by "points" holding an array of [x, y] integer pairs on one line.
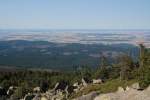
{"points": [[128, 94], [29, 97], [37, 90], [89, 96], [97, 81], [136, 86]]}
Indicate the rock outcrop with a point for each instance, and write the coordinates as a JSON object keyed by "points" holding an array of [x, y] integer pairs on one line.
{"points": [[37, 90], [89, 96], [131, 93], [97, 81], [136, 86], [11, 90], [29, 97]]}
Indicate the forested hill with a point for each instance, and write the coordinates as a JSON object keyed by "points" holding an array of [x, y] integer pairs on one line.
{"points": [[59, 56], [132, 76]]}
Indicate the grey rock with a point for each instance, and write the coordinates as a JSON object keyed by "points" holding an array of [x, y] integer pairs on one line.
{"points": [[37, 89], [120, 89], [29, 97], [130, 94], [135, 86], [89, 96]]}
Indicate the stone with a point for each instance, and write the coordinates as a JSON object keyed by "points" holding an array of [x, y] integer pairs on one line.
{"points": [[148, 88], [127, 88], [37, 97], [97, 81], [135, 86], [44, 98], [61, 85], [89, 96], [120, 89], [37, 89], [59, 96], [84, 82], [56, 85], [103, 97], [131, 94], [76, 84], [77, 87], [11, 90], [29, 97]]}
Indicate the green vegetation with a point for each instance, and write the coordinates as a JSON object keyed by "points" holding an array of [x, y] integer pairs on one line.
{"points": [[27, 80], [123, 72], [55, 56], [109, 86], [144, 66]]}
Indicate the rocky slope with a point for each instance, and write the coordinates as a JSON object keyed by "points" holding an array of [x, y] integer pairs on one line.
{"points": [[130, 93]]}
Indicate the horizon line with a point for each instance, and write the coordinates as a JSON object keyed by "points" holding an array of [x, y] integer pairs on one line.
{"points": [[66, 29]]}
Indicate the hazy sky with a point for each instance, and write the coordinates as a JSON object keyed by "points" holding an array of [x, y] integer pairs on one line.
{"points": [[75, 14]]}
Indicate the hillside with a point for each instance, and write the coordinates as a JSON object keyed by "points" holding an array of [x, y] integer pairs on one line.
{"points": [[82, 82], [55, 56]]}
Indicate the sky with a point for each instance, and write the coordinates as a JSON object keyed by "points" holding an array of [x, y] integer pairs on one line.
{"points": [[74, 14]]}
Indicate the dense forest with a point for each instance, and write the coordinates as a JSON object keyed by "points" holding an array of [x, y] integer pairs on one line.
{"points": [[55, 56], [125, 70]]}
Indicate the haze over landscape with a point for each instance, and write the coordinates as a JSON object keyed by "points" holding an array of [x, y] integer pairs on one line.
{"points": [[74, 49], [80, 36], [119, 21]]}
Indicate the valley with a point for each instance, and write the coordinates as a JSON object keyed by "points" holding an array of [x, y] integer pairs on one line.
{"points": [[59, 56]]}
